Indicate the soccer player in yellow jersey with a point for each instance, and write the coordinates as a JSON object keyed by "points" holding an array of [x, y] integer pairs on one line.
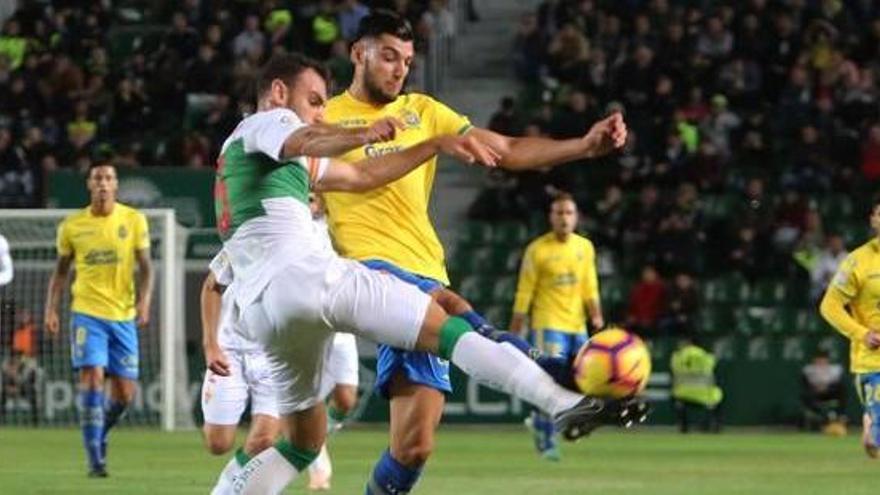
{"points": [[105, 242], [389, 228], [851, 306], [557, 280]]}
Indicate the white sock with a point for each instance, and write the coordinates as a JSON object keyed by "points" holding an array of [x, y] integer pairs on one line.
{"points": [[505, 368], [224, 482], [266, 474], [322, 465]]}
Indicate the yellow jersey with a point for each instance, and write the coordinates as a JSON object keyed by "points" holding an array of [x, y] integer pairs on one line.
{"points": [[857, 284], [391, 223], [556, 279], [103, 250]]}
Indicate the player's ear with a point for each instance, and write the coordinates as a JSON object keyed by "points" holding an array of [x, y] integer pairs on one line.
{"points": [[278, 92], [357, 52]]}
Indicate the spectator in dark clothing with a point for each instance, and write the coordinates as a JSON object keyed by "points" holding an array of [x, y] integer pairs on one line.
{"points": [[744, 256], [182, 39], [608, 215], [528, 48], [575, 119], [205, 73], [504, 120], [823, 395], [641, 220], [680, 234], [682, 304]]}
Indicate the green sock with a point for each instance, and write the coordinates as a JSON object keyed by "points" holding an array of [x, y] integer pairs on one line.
{"points": [[450, 332], [241, 457], [298, 458]]}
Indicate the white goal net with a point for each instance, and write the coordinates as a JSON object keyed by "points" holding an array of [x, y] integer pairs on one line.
{"points": [[42, 388]]}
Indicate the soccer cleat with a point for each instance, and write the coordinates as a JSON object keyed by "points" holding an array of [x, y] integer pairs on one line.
{"points": [[593, 412], [98, 472]]}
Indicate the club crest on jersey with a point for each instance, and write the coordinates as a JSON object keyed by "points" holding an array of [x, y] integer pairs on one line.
{"points": [[123, 232], [410, 118]]}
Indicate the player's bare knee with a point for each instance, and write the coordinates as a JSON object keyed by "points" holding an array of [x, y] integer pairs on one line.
{"points": [[91, 378], [217, 440]]}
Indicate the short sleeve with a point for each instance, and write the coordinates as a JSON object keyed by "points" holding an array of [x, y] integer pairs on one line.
{"points": [[141, 232], [846, 280], [221, 268], [316, 167], [62, 240], [447, 120], [266, 132]]}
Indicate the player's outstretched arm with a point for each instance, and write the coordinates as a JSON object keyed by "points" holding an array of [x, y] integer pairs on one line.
{"points": [[525, 153], [210, 298], [377, 171], [56, 287], [331, 140]]}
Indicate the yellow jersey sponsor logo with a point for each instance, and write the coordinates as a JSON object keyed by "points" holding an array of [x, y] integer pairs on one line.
{"points": [[101, 257], [374, 151]]}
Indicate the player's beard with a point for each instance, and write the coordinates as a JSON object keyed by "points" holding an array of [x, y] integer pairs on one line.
{"points": [[374, 90]]}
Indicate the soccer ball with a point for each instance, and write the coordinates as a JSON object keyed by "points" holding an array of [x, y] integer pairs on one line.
{"points": [[614, 363]]}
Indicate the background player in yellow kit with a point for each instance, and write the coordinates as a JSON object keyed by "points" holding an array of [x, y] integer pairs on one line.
{"points": [[850, 305], [104, 242], [557, 280], [360, 224]]}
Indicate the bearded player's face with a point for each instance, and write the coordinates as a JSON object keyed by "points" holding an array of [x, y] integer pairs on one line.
{"points": [[385, 64]]}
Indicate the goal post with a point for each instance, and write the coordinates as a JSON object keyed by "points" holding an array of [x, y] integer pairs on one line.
{"points": [[163, 397]]}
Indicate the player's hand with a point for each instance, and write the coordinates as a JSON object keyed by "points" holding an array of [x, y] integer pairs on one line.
{"points": [[469, 150], [872, 339], [216, 360], [605, 136], [382, 130], [50, 319], [143, 314], [597, 322]]}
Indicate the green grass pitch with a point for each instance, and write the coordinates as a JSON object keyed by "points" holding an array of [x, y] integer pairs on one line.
{"points": [[472, 460]]}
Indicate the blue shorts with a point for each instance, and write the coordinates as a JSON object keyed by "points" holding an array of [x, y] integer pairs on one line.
{"points": [[556, 343], [868, 387], [419, 367], [112, 345]]}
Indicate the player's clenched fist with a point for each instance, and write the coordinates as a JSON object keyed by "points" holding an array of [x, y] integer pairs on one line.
{"points": [[468, 149], [605, 136], [384, 129], [50, 318]]}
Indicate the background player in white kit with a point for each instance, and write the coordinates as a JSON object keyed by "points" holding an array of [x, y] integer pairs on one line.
{"points": [[294, 293]]}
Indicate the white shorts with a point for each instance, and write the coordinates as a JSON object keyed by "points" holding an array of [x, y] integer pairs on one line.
{"points": [[225, 397], [341, 367], [295, 316]]}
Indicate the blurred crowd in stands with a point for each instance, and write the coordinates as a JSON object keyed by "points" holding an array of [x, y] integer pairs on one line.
{"points": [[159, 82], [749, 121]]}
